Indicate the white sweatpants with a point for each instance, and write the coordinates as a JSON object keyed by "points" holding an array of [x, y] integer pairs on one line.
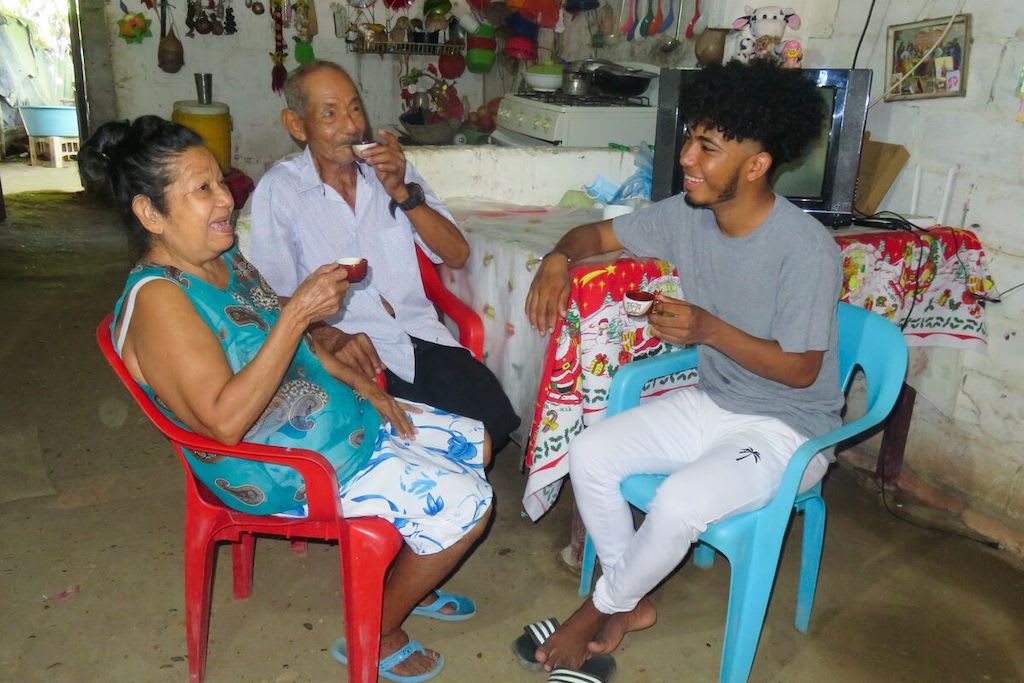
{"points": [[719, 464]]}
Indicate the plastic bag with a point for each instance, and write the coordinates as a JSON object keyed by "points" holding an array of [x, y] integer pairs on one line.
{"points": [[636, 186]]}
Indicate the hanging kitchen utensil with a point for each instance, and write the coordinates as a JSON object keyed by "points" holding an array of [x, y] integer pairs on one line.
{"points": [[693, 20], [671, 18], [629, 28], [652, 30], [645, 25], [230, 25], [673, 45], [278, 74], [170, 55], [615, 33], [163, 18]]}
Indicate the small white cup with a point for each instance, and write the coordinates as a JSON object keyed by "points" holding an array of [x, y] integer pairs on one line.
{"points": [[637, 306], [613, 210]]}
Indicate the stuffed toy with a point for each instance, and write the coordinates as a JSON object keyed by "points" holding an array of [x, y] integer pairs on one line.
{"points": [[792, 54], [765, 26]]}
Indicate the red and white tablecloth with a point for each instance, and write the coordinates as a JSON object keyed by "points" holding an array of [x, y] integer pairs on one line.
{"points": [[932, 284]]}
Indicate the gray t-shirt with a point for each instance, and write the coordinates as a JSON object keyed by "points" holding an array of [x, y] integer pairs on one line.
{"points": [[780, 282]]}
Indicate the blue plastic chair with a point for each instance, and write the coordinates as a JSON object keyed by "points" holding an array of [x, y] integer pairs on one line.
{"points": [[752, 541]]}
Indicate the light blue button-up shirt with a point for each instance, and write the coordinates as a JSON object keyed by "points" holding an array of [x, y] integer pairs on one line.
{"points": [[299, 223]]}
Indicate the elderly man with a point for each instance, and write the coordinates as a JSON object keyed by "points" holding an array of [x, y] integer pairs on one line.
{"points": [[326, 204]]}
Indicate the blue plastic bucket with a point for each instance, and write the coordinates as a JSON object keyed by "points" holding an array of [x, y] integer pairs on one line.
{"points": [[44, 122]]}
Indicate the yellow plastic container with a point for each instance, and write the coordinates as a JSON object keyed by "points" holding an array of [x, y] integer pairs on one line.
{"points": [[213, 124]]}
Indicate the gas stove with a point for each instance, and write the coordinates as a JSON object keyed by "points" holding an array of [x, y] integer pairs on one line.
{"points": [[534, 118], [558, 97]]}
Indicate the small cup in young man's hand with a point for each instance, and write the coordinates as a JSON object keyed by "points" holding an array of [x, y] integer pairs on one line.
{"points": [[637, 302], [355, 267]]}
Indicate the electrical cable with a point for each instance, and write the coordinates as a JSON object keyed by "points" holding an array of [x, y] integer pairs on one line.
{"points": [[989, 543], [863, 31], [927, 53], [890, 220]]}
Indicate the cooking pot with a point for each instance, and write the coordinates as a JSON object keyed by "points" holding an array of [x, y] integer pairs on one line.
{"points": [[615, 79], [576, 83]]}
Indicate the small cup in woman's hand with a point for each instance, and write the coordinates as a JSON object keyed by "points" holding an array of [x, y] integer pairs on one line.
{"points": [[355, 266]]}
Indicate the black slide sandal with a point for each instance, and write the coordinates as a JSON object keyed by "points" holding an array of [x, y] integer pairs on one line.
{"points": [[597, 669]]}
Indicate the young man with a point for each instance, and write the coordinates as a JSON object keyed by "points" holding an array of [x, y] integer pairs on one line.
{"points": [[762, 282], [326, 204]]}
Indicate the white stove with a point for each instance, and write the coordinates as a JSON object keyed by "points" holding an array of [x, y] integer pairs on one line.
{"points": [[552, 118]]}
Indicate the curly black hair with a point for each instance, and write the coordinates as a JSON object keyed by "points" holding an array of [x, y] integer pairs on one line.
{"points": [[122, 160], [761, 101]]}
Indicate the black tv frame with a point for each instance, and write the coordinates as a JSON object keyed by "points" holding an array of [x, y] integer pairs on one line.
{"points": [[845, 138]]}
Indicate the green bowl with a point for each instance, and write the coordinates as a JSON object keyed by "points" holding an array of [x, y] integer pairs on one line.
{"points": [[480, 61]]}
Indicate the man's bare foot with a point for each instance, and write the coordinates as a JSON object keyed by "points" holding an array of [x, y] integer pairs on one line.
{"points": [[567, 646], [610, 636], [417, 663]]}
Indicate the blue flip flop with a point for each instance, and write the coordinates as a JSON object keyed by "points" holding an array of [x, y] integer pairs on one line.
{"points": [[464, 607], [339, 652]]}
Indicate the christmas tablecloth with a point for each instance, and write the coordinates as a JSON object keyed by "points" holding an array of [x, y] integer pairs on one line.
{"points": [[932, 284]]}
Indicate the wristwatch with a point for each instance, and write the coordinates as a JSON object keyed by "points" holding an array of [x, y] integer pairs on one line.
{"points": [[416, 197]]}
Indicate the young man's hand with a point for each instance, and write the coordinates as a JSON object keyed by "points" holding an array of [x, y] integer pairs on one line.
{"points": [[680, 323], [549, 293]]}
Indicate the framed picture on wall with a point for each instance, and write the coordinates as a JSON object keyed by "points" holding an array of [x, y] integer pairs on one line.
{"points": [[928, 58]]}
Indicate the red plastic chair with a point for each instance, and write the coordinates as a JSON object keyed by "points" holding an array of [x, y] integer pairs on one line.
{"points": [[367, 545], [471, 328]]}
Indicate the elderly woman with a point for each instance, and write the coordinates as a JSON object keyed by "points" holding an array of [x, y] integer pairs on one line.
{"points": [[203, 334]]}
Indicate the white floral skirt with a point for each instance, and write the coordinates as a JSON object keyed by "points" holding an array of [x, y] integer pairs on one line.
{"points": [[433, 488]]}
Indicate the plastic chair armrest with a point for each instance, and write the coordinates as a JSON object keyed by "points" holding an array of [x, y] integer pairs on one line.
{"points": [[794, 474], [471, 328], [630, 379]]}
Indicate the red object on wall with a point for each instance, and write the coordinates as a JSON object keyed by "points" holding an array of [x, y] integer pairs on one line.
{"points": [[240, 185]]}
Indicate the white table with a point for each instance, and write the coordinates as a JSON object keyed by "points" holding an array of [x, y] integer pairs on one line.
{"points": [[506, 243]]}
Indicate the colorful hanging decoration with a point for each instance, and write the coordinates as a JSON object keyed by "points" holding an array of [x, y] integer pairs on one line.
{"points": [[279, 73], [133, 26], [305, 29]]}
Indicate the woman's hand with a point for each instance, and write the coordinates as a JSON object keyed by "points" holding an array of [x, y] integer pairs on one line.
{"points": [[390, 409], [319, 296], [549, 293]]}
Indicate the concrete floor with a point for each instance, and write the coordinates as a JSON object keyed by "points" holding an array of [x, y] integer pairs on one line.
{"points": [[895, 602]]}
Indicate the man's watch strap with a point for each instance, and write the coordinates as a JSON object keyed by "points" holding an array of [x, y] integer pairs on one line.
{"points": [[416, 197]]}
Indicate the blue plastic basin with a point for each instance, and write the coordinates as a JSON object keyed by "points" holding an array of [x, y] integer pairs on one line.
{"points": [[44, 122]]}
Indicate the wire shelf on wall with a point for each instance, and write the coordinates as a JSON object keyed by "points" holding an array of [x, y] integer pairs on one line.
{"points": [[389, 48]]}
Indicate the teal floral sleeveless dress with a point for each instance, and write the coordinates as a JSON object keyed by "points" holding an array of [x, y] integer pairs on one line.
{"points": [[432, 488], [310, 409]]}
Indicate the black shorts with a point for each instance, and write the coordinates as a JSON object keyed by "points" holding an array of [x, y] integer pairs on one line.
{"points": [[449, 378]]}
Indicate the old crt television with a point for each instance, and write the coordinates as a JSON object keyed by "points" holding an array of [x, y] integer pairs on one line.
{"points": [[822, 181]]}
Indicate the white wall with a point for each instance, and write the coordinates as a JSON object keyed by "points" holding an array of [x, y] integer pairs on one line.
{"points": [[966, 439], [241, 68]]}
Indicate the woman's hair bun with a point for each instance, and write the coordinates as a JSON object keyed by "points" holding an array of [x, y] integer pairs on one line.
{"points": [[99, 153]]}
